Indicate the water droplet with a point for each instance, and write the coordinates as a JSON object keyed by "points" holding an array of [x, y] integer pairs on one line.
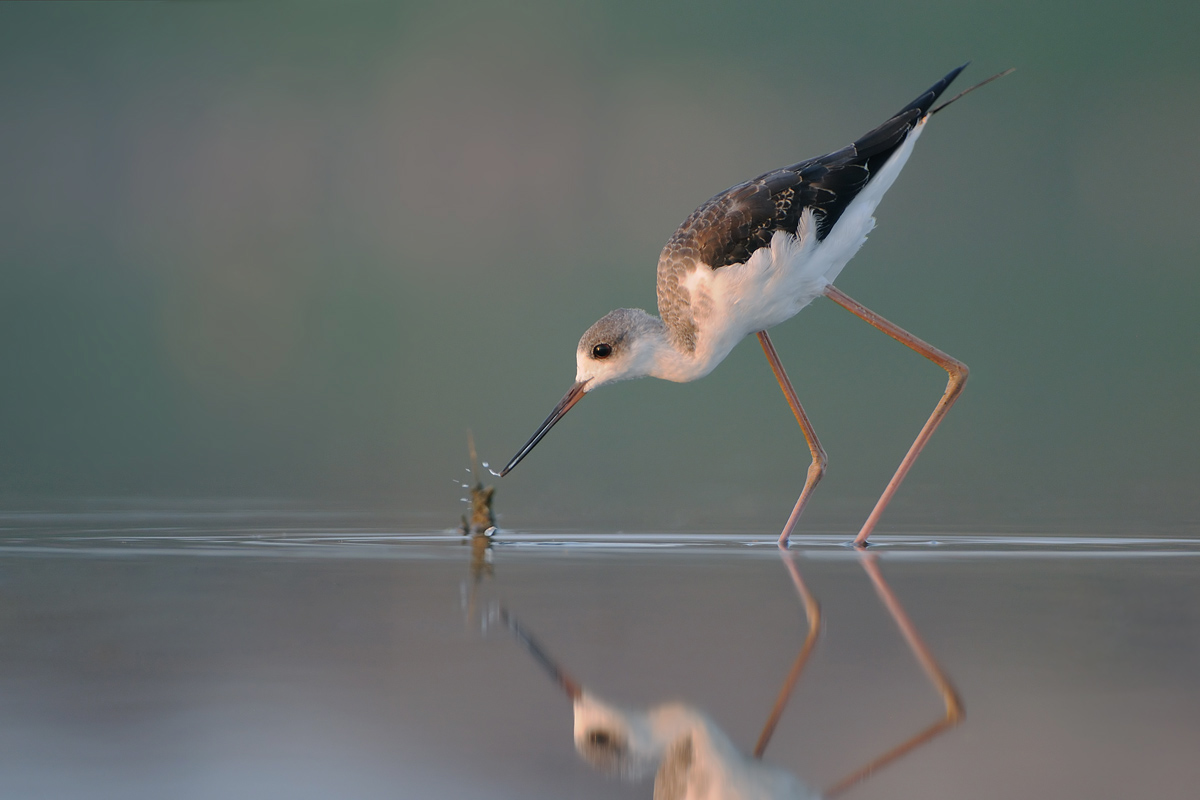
{"points": [[465, 500], [497, 474], [485, 464]]}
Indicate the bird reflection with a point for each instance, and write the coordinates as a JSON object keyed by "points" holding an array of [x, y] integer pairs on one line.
{"points": [[691, 757]]}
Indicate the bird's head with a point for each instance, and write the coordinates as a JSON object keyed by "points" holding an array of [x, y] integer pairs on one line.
{"points": [[623, 344]]}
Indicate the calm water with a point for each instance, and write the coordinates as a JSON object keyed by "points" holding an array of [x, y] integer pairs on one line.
{"points": [[229, 653]]}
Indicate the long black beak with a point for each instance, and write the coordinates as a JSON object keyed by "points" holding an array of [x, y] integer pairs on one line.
{"points": [[573, 396]]}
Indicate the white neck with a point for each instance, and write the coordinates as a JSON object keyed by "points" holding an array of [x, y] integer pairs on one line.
{"points": [[671, 363]]}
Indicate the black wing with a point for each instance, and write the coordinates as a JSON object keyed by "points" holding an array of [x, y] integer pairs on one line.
{"points": [[731, 226]]}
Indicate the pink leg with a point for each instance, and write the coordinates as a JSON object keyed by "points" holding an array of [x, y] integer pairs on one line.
{"points": [[958, 378], [812, 610], [954, 706], [819, 460]]}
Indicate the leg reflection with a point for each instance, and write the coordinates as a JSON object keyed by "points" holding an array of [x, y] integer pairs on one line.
{"points": [[812, 610], [953, 703]]}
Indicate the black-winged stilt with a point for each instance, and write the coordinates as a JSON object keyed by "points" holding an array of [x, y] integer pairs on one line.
{"points": [[752, 257]]}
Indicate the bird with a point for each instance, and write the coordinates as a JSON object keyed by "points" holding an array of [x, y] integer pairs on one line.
{"points": [[751, 258], [691, 756]]}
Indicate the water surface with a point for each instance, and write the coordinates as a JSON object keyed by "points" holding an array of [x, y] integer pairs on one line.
{"points": [[249, 652]]}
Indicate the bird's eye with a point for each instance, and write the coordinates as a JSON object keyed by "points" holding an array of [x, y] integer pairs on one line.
{"points": [[602, 350], [604, 749]]}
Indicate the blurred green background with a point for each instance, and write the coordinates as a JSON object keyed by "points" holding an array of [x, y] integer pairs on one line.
{"points": [[294, 252]]}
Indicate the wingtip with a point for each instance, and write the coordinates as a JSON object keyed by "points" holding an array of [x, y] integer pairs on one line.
{"points": [[923, 103], [970, 89]]}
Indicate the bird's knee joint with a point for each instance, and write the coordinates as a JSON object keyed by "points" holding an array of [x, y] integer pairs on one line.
{"points": [[956, 712], [816, 470], [959, 373]]}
